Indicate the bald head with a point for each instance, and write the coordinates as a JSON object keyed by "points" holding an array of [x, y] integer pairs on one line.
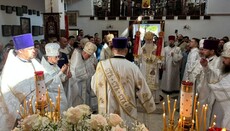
{"points": [[63, 42]]}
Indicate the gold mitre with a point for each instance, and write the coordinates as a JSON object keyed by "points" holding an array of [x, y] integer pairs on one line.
{"points": [[148, 36]]}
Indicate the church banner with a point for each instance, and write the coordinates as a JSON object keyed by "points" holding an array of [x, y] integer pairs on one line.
{"points": [[51, 25]]}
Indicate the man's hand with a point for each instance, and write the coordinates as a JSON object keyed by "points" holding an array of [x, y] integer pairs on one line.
{"points": [[204, 62]]}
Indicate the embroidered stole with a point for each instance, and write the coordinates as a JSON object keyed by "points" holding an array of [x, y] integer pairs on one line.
{"points": [[117, 89]]}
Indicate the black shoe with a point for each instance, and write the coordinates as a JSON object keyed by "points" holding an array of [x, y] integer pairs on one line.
{"points": [[161, 98], [167, 92]]}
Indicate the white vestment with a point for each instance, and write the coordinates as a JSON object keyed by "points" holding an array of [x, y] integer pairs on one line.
{"points": [[133, 87], [79, 84], [106, 52], [221, 91], [17, 84], [54, 78], [171, 74], [212, 74], [149, 67], [193, 56]]}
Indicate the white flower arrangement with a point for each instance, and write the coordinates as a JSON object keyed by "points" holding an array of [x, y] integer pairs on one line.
{"points": [[77, 118]]}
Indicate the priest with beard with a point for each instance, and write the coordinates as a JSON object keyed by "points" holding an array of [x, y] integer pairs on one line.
{"points": [[17, 80], [55, 75], [171, 67], [221, 91], [150, 65]]}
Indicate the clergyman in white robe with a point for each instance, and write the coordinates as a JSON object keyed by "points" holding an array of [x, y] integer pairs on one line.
{"points": [[171, 74], [17, 84], [82, 69], [129, 84], [54, 78]]}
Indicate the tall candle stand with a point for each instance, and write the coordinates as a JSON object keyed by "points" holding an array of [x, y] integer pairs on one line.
{"points": [[41, 102]]}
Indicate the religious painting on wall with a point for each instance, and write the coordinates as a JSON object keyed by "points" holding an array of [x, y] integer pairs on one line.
{"points": [[25, 25], [16, 30], [9, 9], [19, 11], [72, 18], [51, 25], [41, 31], [145, 4], [6, 30], [24, 9], [35, 30]]}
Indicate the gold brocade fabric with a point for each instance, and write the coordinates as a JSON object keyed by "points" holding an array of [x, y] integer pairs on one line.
{"points": [[150, 66]]}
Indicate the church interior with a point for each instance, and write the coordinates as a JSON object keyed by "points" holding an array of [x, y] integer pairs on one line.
{"points": [[201, 19]]}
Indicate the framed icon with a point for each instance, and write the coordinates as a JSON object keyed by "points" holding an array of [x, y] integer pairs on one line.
{"points": [[25, 25], [6, 30]]}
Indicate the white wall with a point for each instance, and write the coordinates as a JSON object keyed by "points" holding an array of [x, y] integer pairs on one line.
{"points": [[84, 6], [12, 19], [218, 7], [217, 26]]}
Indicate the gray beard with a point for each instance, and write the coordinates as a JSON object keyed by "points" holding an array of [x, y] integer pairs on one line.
{"points": [[225, 69]]}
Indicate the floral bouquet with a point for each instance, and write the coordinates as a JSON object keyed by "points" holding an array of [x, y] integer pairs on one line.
{"points": [[77, 118]]}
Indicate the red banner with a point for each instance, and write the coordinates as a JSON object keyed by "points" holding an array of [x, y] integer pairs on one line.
{"points": [[136, 45], [159, 46]]}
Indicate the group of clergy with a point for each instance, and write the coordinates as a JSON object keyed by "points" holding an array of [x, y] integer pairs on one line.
{"points": [[208, 69], [113, 84], [18, 82]]}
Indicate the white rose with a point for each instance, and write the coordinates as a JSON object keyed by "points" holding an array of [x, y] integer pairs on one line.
{"points": [[29, 121], [114, 119], [98, 121], [118, 128], [73, 115], [85, 109], [45, 121]]}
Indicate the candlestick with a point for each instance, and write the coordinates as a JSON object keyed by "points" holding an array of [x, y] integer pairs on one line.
{"points": [[25, 106], [183, 124], [197, 122], [19, 113], [175, 101], [36, 107], [59, 99], [165, 124], [201, 117], [205, 112], [51, 109], [179, 124], [174, 110], [54, 112], [163, 106], [57, 108], [198, 106], [169, 107], [31, 110], [194, 105], [192, 125]]}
